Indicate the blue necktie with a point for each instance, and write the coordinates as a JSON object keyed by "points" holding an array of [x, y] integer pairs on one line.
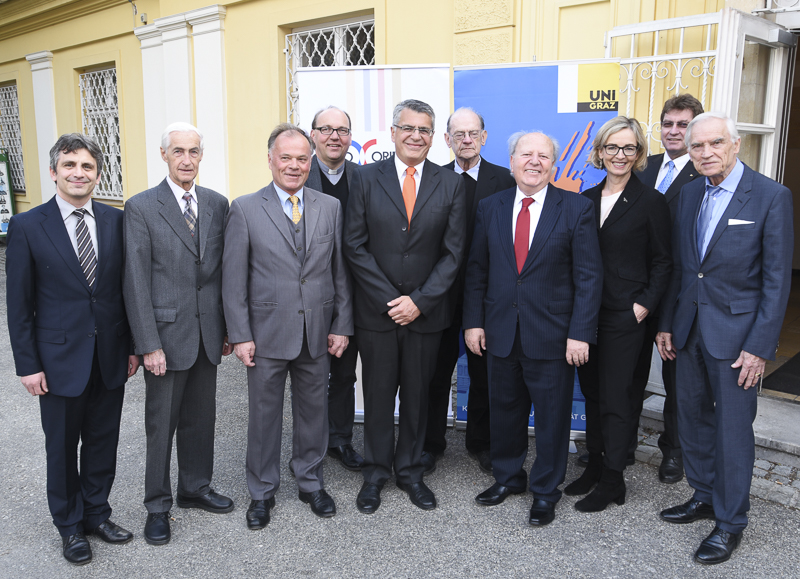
{"points": [[668, 178], [704, 220]]}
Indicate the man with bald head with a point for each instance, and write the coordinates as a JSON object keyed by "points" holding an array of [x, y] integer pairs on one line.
{"points": [[531, 303], [466, 134]]}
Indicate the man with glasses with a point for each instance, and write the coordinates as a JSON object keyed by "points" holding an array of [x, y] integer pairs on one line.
{"points": [[667, 172], [404, 240], [332, 174], [466, 134]]}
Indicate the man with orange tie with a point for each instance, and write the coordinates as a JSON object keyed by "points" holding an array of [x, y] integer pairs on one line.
{"points": [[404, 240]]}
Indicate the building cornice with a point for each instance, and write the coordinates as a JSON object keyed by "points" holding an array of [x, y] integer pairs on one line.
{"points": [[20, 17]]}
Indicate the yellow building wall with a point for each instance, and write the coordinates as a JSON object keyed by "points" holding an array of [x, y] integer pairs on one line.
{"points": [[459, 32]]}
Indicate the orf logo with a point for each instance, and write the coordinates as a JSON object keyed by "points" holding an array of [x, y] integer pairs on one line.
{"points": [[367, 153]]}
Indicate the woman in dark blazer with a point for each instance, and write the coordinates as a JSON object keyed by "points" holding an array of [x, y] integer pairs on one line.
{"points": [[633, 225]]}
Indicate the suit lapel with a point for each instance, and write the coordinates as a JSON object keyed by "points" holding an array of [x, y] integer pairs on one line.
{"points": [[314, 176], [695, 205], [630, 195], [311, 214], [104, 234], [650, 173], [205, 215], [430, 181], [173, 215], [504, 218], [551, 211], [56, 231], [391, 185], [685, 176], [272, 206], [740, 198]]}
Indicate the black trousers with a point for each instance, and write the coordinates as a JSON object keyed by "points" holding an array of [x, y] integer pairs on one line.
{"points": [[439, 399], [397, 357], [78, 496], [668, 442], [341, 396], [607, 384], [516, 382]]}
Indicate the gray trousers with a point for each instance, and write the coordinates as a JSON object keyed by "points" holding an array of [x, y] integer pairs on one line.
{"points": [[266, 382], [185, 402]]}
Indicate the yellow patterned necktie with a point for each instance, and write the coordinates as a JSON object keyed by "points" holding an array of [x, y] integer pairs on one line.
{"points": [[295, 209]]}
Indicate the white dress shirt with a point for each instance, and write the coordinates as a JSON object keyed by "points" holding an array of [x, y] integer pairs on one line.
{"points": [[401, 172], [473, 171], [71, 220], [534, 208], [179, 192]]}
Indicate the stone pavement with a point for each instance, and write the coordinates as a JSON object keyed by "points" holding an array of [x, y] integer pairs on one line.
{"points": [[458, 539]]}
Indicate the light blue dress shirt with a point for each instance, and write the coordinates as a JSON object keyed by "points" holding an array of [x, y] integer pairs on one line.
{"points": [[727, 189], [286, 204]]}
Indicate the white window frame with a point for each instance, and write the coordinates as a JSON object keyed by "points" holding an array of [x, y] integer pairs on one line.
{"points": [[100, 121]]}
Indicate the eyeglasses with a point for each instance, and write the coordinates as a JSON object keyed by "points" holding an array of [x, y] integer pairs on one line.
{"points": [[669, 124], [341, 131], [628, 151], [409, 130], [459, 136]]}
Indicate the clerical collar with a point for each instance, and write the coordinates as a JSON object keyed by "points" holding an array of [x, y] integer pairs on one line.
{"points": [[328, 170]]}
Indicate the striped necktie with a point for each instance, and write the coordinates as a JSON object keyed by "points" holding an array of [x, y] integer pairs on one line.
{"points": [[85, 248]]}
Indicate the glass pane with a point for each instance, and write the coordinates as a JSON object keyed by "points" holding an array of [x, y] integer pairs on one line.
{"points": [[755, 69], [750, 151]]}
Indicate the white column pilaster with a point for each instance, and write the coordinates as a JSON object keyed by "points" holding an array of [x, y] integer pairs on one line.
{"points": [[208, 26], [153, 85], [177, 59], [44, 108]]}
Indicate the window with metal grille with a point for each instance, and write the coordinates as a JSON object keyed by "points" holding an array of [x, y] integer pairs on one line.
{"points": [[343, 43], [11, 135], [101, 123]]}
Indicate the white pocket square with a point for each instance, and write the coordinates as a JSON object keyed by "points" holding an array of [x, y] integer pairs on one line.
{"points": [[739, 222]]}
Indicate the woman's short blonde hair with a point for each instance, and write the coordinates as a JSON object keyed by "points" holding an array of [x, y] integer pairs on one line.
{"points": [[613, 126]]}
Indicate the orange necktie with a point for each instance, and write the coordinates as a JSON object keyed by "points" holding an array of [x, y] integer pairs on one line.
{"points": [[409, 192]]}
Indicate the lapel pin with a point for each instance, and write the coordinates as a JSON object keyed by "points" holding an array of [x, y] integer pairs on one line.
{"points": [[624, 199]]}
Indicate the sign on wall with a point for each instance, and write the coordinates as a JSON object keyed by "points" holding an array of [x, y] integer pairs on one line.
{"points": [[6, 193]]}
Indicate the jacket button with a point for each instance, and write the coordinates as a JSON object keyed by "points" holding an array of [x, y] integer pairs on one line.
{"points": [[519, 282], [299, 248], [300, 312], [399, 283], [694, 303], [94, 300], [403, 228], [199, 287], [197, 261], [89, 335], [405, 255], [700, 275], [514, 305], [302, 281]]}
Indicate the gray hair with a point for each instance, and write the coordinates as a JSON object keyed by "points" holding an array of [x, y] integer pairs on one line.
{"points": [[729, 124], [330, 108], [180, 127], [513, 141], [287, 128], [417, 107], [71, 142], [466, 110]]}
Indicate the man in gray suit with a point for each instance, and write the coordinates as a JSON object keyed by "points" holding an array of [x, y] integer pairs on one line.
{"points": [[288, 305], [332, 174], [172, 288]]}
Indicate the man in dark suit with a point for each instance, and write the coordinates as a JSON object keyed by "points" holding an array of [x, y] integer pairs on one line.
{"points": [[173, 270], [532, 296], [667, 172], [466, 134], [404, 239], [71, 341], [288, 305], [331, 173], [732, 248]]}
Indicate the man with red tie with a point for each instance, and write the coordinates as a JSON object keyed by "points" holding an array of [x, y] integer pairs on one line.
{"points": [[532, 296]]}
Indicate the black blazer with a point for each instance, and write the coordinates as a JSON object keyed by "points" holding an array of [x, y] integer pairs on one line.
{"points": [[388, 258], [491, 179], [314, 180], [650, 174], [635, 246]]}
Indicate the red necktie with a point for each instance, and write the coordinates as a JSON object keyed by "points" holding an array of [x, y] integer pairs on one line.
{"points": [[409, 192], [522, 233]]}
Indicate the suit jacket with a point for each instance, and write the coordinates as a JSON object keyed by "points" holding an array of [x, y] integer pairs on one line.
{"points": [[173, 281], [650, 174], [315, 180], [269, 295], [738, 293], [388, 258], [557, 295], [55, 321], [635, 246]]}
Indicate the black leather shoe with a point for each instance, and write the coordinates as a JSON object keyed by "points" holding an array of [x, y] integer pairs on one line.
{"points": [[484, 459], [320, 501], [347, 455], [542, 513], [495, 495], [258, 513], [688, 512], [76, 549], [369, 498], [211, 502], [583, 459], [671, 470], [111, 532], [156, 528], [419, 494], [717, 547], [429, 461]]}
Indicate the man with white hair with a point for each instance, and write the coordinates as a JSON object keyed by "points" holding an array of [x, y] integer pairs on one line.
{"points": [[721, 318], [173, 296]]}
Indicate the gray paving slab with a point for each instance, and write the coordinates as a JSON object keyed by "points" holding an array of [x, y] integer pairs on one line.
{"points": [[459, 539]]}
